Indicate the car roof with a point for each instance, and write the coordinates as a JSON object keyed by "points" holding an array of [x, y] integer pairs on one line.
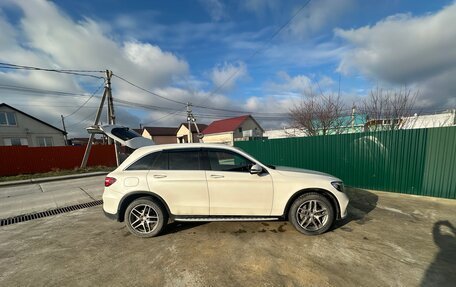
{"points": [[183, 145], [149, 149]]}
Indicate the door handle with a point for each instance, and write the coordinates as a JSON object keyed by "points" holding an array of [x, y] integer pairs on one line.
{"points": [[217, 176], [159, 176]]}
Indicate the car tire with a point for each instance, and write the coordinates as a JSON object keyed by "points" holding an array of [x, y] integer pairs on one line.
{"points": [[311, 214], [145, 218]]}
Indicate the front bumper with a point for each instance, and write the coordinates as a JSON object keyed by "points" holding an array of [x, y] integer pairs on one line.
{"points": [[343, 205], [344, 214]]}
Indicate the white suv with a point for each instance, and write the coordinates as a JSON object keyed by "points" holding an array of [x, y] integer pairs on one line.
{"points": [[207, 182]]}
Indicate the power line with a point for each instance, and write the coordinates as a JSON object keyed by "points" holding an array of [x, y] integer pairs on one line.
{"points": [[91, 96], [47, 105], [168, 115], [147, 91], [142, 105], [39, 91], [257, 51], [179, 102], [82, 73], [81, 121]]}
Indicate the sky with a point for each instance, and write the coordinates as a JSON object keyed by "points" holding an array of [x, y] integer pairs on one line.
{"points": [[227, 58]]}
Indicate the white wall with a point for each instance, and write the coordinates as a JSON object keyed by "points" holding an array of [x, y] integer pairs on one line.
{"points": [[30, 129]]}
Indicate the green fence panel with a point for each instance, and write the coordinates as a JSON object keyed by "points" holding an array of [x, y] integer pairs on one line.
{"points": [[418, 161]]}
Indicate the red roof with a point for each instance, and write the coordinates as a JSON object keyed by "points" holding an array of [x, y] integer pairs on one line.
{"points": [[226, 125]]}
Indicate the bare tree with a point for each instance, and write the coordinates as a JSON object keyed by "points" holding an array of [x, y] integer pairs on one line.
{"points": [[386, 109], [320, 115]]}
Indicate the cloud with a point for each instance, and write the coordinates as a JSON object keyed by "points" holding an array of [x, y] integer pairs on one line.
{"points": [[61, 42], [417, 51], [316, 16], [215, 8], [225, 76], [299, 85], [260, 7]]}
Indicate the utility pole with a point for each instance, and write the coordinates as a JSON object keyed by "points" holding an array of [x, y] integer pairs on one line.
{"points": [[64, 129], [189, 122], [97, 119], [111, 114]]}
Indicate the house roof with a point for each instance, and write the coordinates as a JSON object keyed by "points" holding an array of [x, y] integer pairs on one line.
{"points": [[225, 125], [32, 117], [139, 131], [201, 127], [161, 131]]}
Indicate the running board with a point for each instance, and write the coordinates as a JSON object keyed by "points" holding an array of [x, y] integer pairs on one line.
{"points": [[226, 218]]}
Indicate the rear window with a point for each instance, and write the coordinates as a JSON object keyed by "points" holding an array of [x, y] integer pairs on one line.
{"points": [[169, 160], [124, 133]]}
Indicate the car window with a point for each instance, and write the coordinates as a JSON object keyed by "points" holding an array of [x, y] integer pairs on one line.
{"points": [[144, 163], [221, 160], [161, 162], [184, 160]]}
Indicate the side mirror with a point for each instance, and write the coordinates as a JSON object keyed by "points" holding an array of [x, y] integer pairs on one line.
{"points": [[256, 169]]}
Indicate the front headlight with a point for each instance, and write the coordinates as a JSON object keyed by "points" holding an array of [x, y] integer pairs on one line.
{"points": [[339, 185]]}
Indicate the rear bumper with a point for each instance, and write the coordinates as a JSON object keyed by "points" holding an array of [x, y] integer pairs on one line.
{"points": [[111, 216]]}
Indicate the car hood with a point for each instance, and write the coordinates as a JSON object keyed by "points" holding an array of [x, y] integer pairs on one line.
{"points": [[293, 171]]}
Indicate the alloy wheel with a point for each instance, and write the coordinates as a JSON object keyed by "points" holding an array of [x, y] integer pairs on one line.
{"points": [[143, 218], [312, 215]]}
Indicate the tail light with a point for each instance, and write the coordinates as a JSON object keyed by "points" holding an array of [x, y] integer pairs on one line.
{"points": [[109, 181]]}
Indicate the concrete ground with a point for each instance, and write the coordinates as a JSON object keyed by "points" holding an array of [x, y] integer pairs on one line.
{"points": [[27, 198], [387, 240]]}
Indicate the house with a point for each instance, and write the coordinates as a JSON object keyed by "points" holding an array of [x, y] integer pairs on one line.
{"points": [[343, 125], [284, 133], [445, 119], [19, 128], [160, 135], [182, 132], [84, 141], [227, 131]]}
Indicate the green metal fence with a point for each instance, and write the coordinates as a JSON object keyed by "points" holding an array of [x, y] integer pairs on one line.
{"points": [[419, 161]]}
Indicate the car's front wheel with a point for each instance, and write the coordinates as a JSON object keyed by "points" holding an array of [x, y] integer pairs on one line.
{"points": [[145, 218], [311, 214]]}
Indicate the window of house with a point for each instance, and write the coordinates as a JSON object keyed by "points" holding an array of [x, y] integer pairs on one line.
{"points": [[45, 141], [8, 119], [228, 161], [15, 141], [240, 129]]}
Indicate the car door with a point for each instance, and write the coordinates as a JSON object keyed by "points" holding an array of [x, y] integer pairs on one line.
{"points": [[232, 189], [177, 177]]}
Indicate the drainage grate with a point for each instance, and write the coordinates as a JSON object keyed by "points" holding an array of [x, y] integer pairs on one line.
{"points": [[36, 215]]}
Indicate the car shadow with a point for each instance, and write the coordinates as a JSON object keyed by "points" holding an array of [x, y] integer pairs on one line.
{"points": [[441, 272], [362, 202], [180, 226]]}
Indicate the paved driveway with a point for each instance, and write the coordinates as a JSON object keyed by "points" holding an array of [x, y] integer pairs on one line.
{"points": [[388, 240], [27, 198]]}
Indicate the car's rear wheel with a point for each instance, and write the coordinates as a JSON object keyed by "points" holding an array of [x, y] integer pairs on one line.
{"points": [[145, 218], [311, 214]]}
